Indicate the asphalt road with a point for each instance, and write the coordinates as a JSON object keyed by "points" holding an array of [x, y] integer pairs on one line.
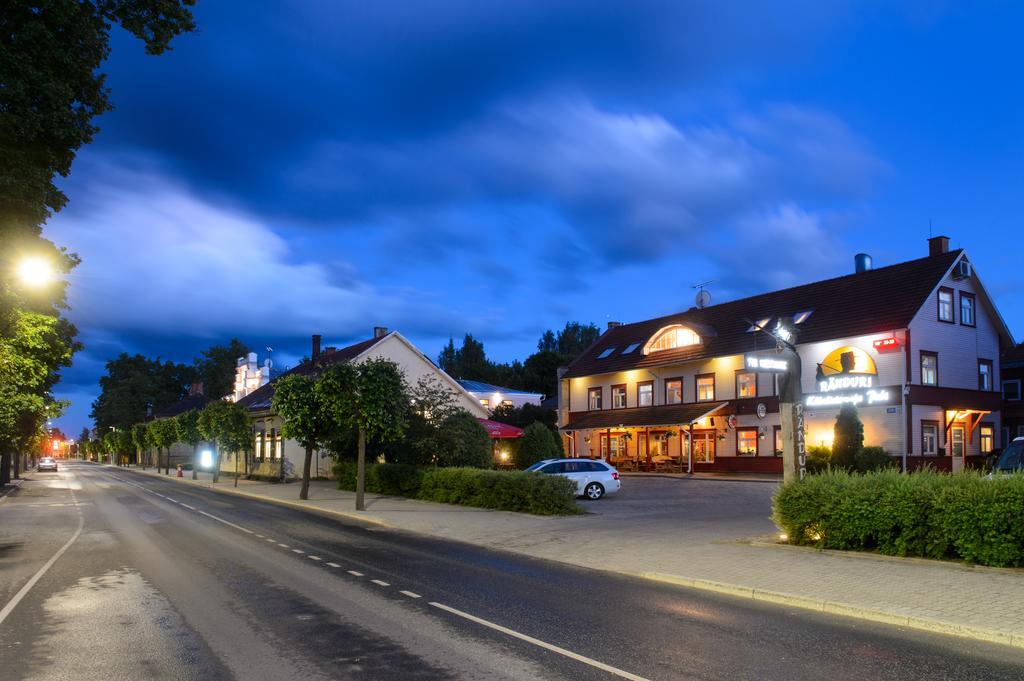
{"points": [[164, 581]]}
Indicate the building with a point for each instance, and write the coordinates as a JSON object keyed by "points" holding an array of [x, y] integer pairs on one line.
{"points": [[492, 396], [275, 457], [914, 346], [249, 376], [1012, 376]]}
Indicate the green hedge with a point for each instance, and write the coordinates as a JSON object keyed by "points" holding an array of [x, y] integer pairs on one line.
{"points": [[927, 514], [500, 490]]}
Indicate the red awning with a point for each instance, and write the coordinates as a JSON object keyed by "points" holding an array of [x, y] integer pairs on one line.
{"points": [[498, 431]]}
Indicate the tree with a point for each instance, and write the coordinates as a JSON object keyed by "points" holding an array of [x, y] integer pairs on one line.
{"points": [[226, 425], [216, 367], [299, 405], [187, 424], [464, 442], [164, 434], [536, 444], [849, 437], [141, 442], [135, 386], [370, 397]]}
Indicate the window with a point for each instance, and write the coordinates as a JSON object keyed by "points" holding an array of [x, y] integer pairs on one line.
{"points": [[260, 443], [984, 374], [987, 438], [613, 447], [929, 438], [801, 317], [618, 396], [956, 440], [705, 387], [630, 348], [506, 403], [746, 384], [673, 337], [606, 352], [594, 398], [645, 394], [746, 442], [759, 325], [704, 446], [674, 391], [778, 440], [946, 305], [1011, 390], [485, 403], [929, 368], [967, 309]]}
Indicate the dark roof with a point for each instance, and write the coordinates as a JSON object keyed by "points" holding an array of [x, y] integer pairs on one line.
{"points": [[180, 407], [662, 415], [481, 387], [1014, 357], [878, 300], [259, 399]]}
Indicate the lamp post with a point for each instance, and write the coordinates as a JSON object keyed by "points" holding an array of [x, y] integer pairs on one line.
{"points": [[35, 272]]}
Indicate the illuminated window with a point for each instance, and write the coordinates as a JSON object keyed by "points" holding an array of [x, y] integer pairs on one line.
{"points": [[930, 438], [987, 438], [704, 447], [706, 388], [594, 398], [984, 374], [759, 325], [801, 317], [485, 403], [746, 384], [929, 368], [606, 352], [674, 391], [630, 348], [506, 403], [966, 309], [946, 305], [645, 394], [778, 440], [746, 442], [673, 337], [618, 396]]}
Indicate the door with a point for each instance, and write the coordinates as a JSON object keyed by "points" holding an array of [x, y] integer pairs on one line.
{"points": [[704, 447], [956, 447]]}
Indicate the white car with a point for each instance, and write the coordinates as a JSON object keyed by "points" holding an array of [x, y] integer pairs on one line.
{"points": [[593, 478], [1012, 459]]}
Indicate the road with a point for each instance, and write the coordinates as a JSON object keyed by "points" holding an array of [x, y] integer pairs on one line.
{"points": [[159, 580]]}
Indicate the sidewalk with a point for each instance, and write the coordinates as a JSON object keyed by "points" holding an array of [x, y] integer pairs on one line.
{"points": [[708, 552]]}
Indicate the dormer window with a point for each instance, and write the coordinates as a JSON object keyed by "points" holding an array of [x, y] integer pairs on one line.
{"points": [[672, 337]]}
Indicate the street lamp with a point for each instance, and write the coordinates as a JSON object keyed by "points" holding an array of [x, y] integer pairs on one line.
{"points": [[35, 272]]}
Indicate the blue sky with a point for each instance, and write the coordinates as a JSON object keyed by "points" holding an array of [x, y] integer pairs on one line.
{"points": [[501, 168]]}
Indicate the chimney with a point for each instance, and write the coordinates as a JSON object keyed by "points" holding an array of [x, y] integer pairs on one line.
{"points": [[861, 263], [329, 349], [380, 331], [612, 325], [316, 348], [938, 245], [195, 389]]}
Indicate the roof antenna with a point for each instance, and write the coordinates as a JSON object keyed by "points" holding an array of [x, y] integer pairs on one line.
{"points": [[703, 298]]}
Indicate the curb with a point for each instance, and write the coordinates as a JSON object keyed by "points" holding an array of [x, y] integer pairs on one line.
{"points": [[1007, 638], [717, 478]]}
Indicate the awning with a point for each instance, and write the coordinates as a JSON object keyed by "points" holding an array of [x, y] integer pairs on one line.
{"points": [[641, 417], [498, 431]]}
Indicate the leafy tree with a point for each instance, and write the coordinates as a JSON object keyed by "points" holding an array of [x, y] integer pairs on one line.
{"points": [[226, 425], [141, 441], [187, 424], [297, 401], [849, 437], [464, 442], [164, 433], [216, 367], [536, 444], [134, 385]]}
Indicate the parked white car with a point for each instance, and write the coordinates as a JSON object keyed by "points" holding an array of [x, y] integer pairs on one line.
{"points": [[1011, 460], [593, 478]]}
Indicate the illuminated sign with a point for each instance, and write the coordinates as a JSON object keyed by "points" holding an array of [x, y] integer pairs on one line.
{"points": [[887, 344], [771, 363], [206, 458], [846, 368], [859, 398]]}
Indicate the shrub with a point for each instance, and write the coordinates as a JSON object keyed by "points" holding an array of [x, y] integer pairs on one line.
{"points": [[872, 459], [536, 444], [819, 458], [462, 441], [849, 437], [919, 514]]}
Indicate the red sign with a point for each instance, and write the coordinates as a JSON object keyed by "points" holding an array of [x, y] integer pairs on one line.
{"points": [[887, 344]]}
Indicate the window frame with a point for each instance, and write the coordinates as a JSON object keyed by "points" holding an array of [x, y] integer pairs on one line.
{"points": [[991, 374], [708, 437], [1011, 381], [757, 443], [981, 437], [682, 387], [952, 305], [640, 384], [745, 372], [922, 355], [696, 387], [966, 295], [935, 449], [777, 440], [599, 391], [625, 395]]}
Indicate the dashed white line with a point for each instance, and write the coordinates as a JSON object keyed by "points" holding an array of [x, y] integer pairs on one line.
{"points": [[272, 541], [259, 535], [297, 551], [410, 594], [283, 546], [334, 565], [379, 582], [313, 557], [355, 574], [542, 644], [191, 508], [229, 524]]}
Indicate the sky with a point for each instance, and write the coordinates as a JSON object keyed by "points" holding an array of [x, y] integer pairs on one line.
{"points": [[501, 168]]}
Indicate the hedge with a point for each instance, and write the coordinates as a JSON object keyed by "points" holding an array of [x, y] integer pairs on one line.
{"points": [[928, 514], [501, 490]]}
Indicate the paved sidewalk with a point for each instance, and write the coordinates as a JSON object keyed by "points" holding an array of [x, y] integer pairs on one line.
{"points": [[714, 546]]}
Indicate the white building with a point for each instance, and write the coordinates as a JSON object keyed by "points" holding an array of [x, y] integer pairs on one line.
{"points": [[492, 396], [249, 377]]}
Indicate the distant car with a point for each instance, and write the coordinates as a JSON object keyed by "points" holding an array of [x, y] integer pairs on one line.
{"points": [[593, 478], [47, 463], [1012, 458]]}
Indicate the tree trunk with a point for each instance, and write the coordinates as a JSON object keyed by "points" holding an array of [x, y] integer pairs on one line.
{"points": [[5, 468], [167, 460], [195, 473], [17, 465], [216, 463], [304, 492], [237, 456], [361, 471]]}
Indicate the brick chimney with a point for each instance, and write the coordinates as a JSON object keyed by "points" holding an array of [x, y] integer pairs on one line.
{"points": [[938, 245], [316, 348], [612, 325], [380, 331]]}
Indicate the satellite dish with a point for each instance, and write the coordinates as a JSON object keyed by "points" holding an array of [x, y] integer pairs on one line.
{"points": [[703, 298]]}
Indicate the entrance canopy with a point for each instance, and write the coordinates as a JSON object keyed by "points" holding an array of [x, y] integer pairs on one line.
{"points": [[499, 431], [641, 417]]}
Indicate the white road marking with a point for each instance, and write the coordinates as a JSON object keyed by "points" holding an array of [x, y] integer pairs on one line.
{"points": [[283, 546], [229, 524], [272, 541], [259, 535], [297, 551], [173, 501], [410, 594], [334, 565], [39, 574], [542, 644], [379, 582], [313, 557], [355, 574], [191, 508]]}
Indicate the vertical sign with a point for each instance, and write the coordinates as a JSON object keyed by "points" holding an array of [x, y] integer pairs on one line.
{"points": [[798, 435]]}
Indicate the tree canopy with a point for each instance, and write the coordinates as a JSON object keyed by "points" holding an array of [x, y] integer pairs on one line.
{"points": [[134, 385], [216, 365]]}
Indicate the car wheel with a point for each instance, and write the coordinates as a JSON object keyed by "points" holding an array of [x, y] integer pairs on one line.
{"points": [[593, 491]]}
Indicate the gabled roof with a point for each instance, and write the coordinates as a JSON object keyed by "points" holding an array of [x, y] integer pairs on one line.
{"points": [[878, 300], [481, 387], [259, 399], [181, 406]]}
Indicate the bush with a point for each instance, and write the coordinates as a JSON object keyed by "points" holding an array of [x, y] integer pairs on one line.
{"points": [[849, 437], [919, 514], [819, 458], [873, 459], [462, 441], [536, 444], [501, 490]]}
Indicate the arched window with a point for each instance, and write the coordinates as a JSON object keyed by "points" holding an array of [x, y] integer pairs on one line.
{"points": [[671, 337]]}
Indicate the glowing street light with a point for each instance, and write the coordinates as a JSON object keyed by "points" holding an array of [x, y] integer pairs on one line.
{"points": [[35, 272]]}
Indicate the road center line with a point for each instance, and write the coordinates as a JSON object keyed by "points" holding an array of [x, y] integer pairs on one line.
{"points": [[191, 508], [42, 571], [297, 551], [313, 557], [379, 582], [410, 594], [229, 524], [355, 574], [334, 565], [542, 644]]}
